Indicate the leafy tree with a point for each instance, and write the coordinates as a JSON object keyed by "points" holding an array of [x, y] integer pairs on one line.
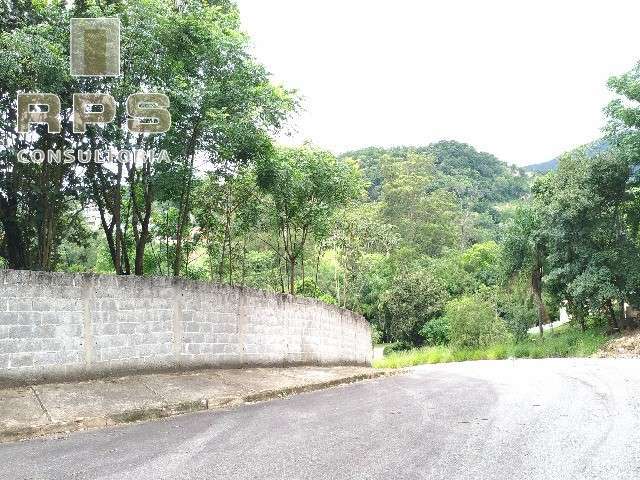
{"points": [[425, 219], [226, 106], [515, 306], [308, 288], [436, 331], [34, 199], [359, 231], [593, 262], [306, 186], [623, 114], [223, 108], [414, 299], [225, 213], [482, 260], [473, 322], [524, 253], [449, 269], [376, 277]]}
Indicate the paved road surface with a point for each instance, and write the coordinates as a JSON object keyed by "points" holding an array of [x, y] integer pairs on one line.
{"points": [[507, 420]]}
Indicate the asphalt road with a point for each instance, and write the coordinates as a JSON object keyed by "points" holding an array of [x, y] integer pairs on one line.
{"points": [[526, 419]]}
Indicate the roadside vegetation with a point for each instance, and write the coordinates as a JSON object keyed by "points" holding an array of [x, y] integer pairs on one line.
{"points": [[565, 341]]}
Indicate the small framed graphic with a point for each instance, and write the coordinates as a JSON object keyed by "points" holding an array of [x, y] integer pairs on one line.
{"points": [[95, 47]]}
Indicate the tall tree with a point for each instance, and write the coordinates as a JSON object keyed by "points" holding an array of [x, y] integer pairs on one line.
{"points": [[224, 109], [305, 187], [525, 253], [225, 211], [33, 198], [594, 264], [426, 218]]}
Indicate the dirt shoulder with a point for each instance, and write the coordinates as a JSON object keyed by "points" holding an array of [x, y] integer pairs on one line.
{"points": [[624, 345]]}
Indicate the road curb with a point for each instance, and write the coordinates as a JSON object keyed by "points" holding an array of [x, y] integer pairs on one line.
{"points": [[171, 409]]}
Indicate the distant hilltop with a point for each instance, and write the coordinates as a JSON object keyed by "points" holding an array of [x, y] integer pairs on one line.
{"points": [[593, 148]]}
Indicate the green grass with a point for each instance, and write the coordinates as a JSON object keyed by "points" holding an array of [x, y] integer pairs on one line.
{"points": [[566, 341]]}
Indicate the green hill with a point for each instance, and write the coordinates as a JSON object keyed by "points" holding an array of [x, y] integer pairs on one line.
{"points": [[459, 167], [594, 148]]}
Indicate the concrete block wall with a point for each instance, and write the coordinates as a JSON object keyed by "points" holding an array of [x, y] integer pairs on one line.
{"points": [[63, 326]]}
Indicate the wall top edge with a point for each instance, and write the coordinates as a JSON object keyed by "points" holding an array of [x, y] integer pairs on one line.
{"points": [[131, 283]]}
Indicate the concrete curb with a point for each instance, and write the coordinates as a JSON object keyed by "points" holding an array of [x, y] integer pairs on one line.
{"points": [[179, 408]]}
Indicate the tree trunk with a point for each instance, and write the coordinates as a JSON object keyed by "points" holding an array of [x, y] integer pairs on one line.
{"points": [[141, 242], [140, 214], [185, 197], [611, 318], [279, 257], [318, 263], [221, 263], [244, 260], [292, 275], [14, 245], [229, 243], [536, 290], [580, 317], [50, 184], [210, 259], [345, 288], [108, 197], [280, 275]]}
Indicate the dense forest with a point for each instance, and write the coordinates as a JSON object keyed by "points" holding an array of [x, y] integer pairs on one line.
{"points": [[432, 244]]}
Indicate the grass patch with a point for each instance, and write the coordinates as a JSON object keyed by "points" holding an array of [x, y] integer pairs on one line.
{"points": [[565, 341]]}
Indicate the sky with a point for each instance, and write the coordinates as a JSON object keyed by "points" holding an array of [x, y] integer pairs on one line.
{"points": [[524, 80]]}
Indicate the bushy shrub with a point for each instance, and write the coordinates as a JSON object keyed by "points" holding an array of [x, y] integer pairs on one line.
{"points": [[451, 273], [482, 261], [518, 318], [473, 323], [311, 290], [596, 320], [436, 332], [396, 347], [565, 341], [414, 299], [515, 306]]}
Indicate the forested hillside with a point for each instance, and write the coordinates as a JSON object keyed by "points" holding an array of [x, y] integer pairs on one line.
{"points": [[445, 205]]}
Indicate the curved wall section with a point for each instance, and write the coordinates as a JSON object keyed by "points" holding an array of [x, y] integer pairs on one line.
{"points": [[64, 326]]}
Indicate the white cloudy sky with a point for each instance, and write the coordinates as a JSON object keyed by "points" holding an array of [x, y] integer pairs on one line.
{"points": [[523, 80]]}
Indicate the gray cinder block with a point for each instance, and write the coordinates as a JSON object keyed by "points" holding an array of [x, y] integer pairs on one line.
{"points": [[63, 326]]}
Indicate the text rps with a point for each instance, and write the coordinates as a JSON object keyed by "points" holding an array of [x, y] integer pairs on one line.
{"points": [[146, 112]]}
